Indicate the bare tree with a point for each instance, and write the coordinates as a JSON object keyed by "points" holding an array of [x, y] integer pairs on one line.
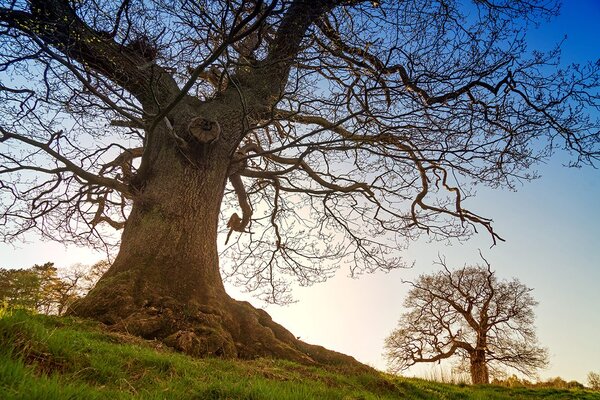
{"points": [[73, 283], [593, 379], [470, 315], [314, 133]]}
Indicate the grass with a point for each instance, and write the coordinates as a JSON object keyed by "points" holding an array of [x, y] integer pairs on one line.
{"points": [[48, 358]]}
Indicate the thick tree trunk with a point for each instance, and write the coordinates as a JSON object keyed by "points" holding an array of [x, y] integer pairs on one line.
{"points": [[479, 368], [165, 282]]}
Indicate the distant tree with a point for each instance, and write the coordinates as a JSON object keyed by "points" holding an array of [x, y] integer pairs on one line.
{"points": [[48, 284], [315, 133], [470, 315], [593, 379], [46, 289], [20, 288], [75, 282], [556, 383]]}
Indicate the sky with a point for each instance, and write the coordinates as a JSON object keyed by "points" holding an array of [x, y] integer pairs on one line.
{"points": [[552, 232]]}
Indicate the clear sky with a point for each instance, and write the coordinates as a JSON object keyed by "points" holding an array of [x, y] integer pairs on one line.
{"points": [[552, 228]]}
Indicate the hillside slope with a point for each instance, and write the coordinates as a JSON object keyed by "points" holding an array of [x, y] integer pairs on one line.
{"points": [[49, 358]]}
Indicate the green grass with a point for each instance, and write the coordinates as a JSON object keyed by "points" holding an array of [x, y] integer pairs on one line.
{"points": [[45, 357]]}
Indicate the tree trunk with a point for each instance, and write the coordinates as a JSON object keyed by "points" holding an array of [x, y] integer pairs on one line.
{"points": [[165, 282], [479, 368]]}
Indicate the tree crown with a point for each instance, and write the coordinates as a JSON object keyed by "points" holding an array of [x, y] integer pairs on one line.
{"points": [[358, 125], [456, 313]]}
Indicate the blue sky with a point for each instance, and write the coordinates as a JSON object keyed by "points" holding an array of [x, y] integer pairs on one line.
{"points": [[552, 228], [552, 232]]}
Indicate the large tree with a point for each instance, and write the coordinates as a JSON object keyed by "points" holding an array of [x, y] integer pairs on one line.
{"points": [[319, 133], [470, 315]]}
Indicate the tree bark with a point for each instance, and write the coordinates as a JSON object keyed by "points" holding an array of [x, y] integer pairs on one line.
{"points": [[165, 282], [479, 368]]}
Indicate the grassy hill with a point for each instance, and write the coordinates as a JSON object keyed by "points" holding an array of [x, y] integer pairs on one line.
{"points": [[45, 357]]}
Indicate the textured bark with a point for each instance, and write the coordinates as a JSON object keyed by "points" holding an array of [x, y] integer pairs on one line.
{"points": [[165, 282], [479, 368]]}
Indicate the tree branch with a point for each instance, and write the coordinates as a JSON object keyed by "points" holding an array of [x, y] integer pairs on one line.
{"points": [[79, 171], [55, 22]]}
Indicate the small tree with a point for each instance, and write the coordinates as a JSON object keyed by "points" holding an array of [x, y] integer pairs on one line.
{"points": [[593, 379], [20, 288], [48, 282], [469, 314]]}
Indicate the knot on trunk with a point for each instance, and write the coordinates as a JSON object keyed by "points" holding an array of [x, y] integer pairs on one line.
{"points": [[204, 130]]}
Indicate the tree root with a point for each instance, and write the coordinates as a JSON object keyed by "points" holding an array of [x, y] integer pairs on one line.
{"points": [[228, 329]]}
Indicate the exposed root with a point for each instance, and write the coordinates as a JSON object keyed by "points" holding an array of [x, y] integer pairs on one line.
{"points": [[229, 329]]}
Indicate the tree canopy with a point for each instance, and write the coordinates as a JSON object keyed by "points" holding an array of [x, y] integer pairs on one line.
{"points": [[385, 114], [467, 314], [46, 289]]}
